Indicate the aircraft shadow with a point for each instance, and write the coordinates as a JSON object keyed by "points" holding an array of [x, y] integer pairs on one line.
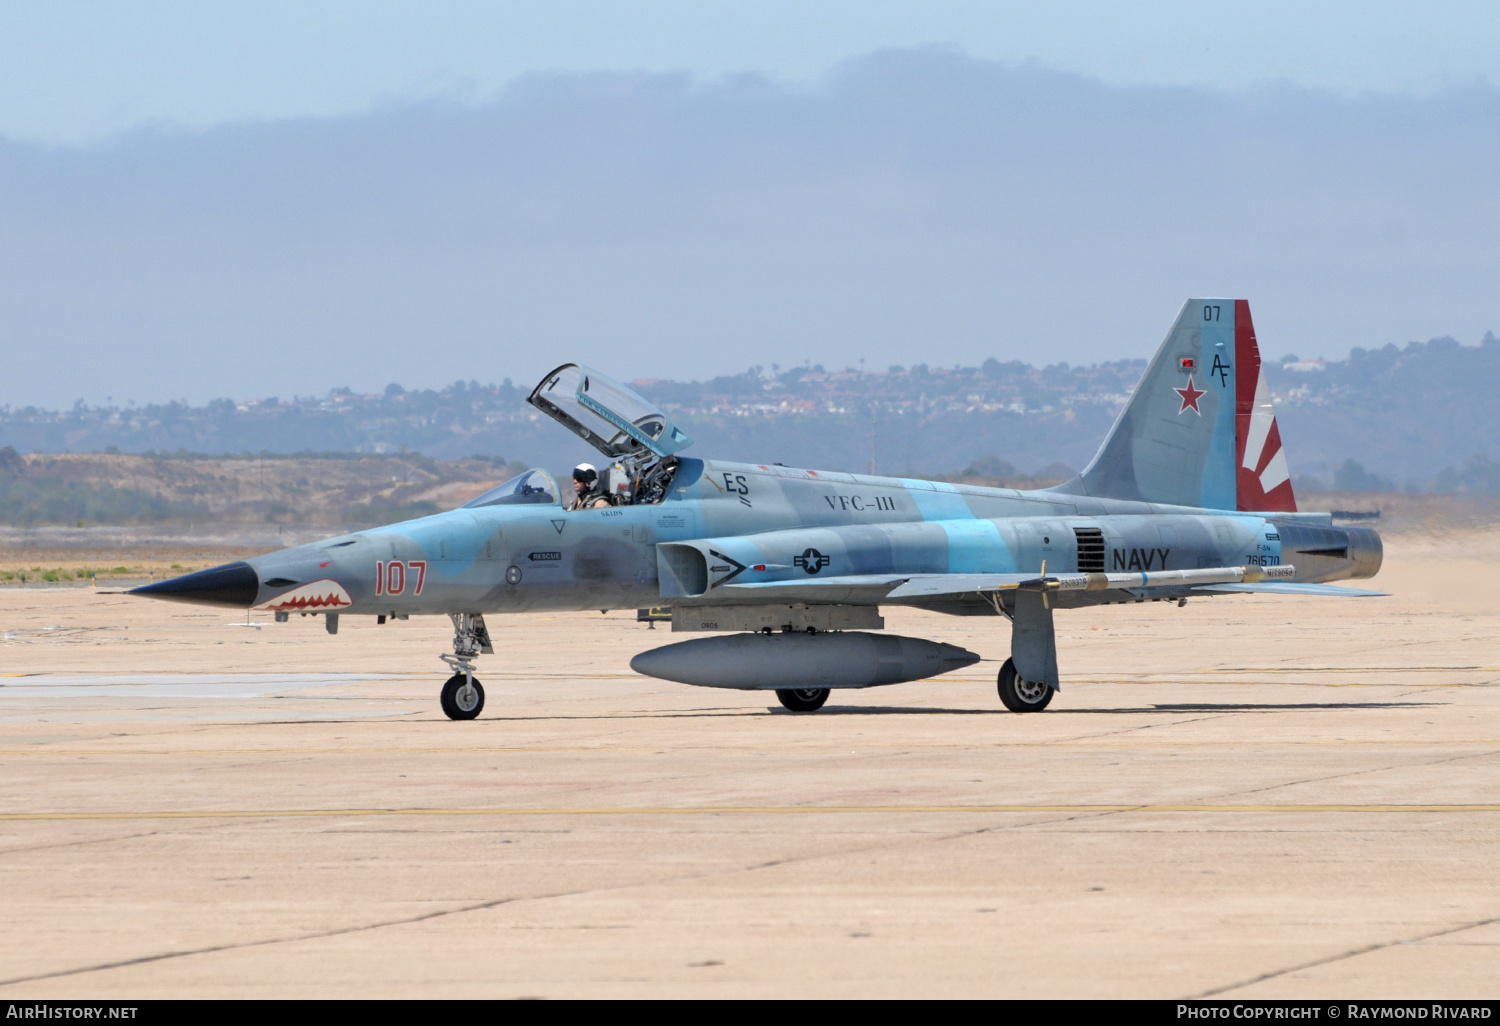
{"points": [[907, 710], [1254, 706], [870, 710]]}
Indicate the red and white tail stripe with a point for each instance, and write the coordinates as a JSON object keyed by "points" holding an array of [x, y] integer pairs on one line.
{"points": [[1264, 481]]}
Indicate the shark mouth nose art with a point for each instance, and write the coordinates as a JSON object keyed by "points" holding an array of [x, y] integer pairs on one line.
{"points": [[315, 596]]}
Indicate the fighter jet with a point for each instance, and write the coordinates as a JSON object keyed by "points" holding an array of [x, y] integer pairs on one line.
{"points": [[785, 570]]}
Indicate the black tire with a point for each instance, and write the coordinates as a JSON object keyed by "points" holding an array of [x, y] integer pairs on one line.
{"points": [[459, 706], [1018, 693], [802, 699]]}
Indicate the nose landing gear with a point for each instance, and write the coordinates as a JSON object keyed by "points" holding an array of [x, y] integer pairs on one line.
{"points": [[463, 696]]}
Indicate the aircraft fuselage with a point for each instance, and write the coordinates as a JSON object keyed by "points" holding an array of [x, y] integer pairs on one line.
{"points": [[796, 524]]}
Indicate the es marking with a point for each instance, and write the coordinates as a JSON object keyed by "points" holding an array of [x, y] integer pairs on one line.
{"points": [[737, 485]]}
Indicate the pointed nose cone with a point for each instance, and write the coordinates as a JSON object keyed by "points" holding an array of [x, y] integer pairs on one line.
{"points": [[233, 584]]}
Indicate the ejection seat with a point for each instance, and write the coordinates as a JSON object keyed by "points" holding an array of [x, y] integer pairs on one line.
{"points": [[638, 440]]}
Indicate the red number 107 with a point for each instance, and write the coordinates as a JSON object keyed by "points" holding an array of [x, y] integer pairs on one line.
{"points": [[390, 578]]}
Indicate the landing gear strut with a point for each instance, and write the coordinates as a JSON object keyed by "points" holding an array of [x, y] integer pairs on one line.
{"points": [[463, 696], [1020, 694]]}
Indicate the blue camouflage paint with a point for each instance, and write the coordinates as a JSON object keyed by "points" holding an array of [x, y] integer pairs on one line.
{"points": [[444, 539], [1219, 487], [976, 547], [937, 500]]}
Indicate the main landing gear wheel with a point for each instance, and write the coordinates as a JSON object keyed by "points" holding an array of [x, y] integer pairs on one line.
{"points": [[802, 699], [463, 697], [1020, 694]]}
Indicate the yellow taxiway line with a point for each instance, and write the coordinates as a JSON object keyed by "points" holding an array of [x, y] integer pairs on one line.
{"points": [[726, 810]]}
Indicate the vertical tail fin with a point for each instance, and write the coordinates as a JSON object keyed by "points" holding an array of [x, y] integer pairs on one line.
{"points": [[1199, 429]]}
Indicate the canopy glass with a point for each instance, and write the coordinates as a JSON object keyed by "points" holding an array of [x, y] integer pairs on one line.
{"points": [[532, 486], [608, 415]]}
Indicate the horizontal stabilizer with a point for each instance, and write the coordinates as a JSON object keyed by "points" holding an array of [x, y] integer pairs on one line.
{"points": [[1292, 588]]}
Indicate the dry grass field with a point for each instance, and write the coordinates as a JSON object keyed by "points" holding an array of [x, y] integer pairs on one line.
{"points": [[332, 491], [108, 567]]}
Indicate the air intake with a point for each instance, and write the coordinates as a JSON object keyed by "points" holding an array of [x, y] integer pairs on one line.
{"points": [[1090, 549], [682, 570]]}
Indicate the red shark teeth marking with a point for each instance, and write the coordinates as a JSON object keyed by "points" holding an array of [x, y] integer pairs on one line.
{"points": [[315, 595], [310, 602]]}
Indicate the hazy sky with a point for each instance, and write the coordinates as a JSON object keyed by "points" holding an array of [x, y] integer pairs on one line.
{"points": [[322, 195], [75, 70]]}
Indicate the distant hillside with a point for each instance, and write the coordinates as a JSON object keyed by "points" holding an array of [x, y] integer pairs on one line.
{"points": [[1423, 416], [327, 491], [1418, 418]]}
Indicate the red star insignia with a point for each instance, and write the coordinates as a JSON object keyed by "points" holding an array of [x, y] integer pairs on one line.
{"points": [[1190, 397]]}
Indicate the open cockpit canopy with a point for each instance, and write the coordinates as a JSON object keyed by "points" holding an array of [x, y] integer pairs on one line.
{"points": [[606, 414]]}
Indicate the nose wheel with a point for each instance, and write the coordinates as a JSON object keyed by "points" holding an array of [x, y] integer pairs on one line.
{"points": [[463, 697]]}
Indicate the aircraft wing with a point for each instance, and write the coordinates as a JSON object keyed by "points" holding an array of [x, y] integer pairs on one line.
{"points": [[862, 589], [936, 585], [870, 587], [1293, 588], [858, 589]]}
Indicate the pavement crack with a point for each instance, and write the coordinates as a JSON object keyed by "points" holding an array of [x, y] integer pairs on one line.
{"points": [[212, 948], [77, 844], [1356, 773], [439, 914], [1131, 729], [1352, 953]]}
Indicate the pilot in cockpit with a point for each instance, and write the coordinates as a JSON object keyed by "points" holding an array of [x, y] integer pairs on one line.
{"points": [[587, 493]]}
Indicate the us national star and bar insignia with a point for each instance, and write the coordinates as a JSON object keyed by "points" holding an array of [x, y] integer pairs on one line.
{"points": [[1190, 397]]}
